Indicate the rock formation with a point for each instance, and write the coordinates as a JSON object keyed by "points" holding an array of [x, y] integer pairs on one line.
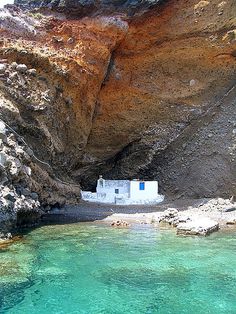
{"points": [[124, 89], [189, 224], [120, 223], [26, 189], [202, 227], [80, 8], [202, 219]]}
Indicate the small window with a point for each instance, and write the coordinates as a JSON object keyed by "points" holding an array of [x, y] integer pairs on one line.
{"points": [[141, 186], [116, 191]]}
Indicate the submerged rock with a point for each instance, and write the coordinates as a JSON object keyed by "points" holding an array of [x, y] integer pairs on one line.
{"points": [[120, 223]]}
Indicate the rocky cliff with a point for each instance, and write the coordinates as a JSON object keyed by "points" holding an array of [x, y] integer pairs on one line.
{"points": [[80, 8], [143, 94]]}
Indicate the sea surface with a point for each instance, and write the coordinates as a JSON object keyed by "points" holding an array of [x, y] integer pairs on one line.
{"points": [[93, 268]]}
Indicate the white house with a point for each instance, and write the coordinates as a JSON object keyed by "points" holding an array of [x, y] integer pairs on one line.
{"points": [[124, 192]]}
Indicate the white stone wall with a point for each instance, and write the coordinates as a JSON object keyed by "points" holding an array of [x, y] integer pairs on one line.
{"points": [[110, 185], [149, 193], [129, 192]]}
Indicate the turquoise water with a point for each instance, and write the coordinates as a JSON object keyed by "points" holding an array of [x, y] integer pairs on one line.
{"points": [[91, 268]]}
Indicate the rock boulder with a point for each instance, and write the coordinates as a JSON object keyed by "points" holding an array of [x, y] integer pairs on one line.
{"points": [[201, 226]]}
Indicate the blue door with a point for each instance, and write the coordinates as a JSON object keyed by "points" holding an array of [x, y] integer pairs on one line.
{"points": [[141, 186]]}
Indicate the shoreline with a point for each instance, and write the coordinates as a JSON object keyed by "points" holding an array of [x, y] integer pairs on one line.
{"points": [[110, 214], [222, 211], [152, 219], [91, 211]]}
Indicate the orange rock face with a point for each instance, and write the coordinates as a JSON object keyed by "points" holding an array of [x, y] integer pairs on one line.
{"points": [[172, 57], [125, 90]]}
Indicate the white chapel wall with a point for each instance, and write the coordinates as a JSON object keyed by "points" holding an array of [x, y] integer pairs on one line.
{"points": [[110, 186], [150, 190], [129, 192]]}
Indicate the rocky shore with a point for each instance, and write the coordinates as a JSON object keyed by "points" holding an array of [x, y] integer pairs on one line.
{"points": [[189, 216], [199, 219], [186, 217]]}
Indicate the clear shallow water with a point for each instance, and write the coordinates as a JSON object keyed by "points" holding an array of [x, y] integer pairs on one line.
{"points": [[89, 268]]}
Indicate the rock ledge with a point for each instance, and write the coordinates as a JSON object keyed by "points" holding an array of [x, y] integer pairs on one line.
{"points": [[202, 226]]}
